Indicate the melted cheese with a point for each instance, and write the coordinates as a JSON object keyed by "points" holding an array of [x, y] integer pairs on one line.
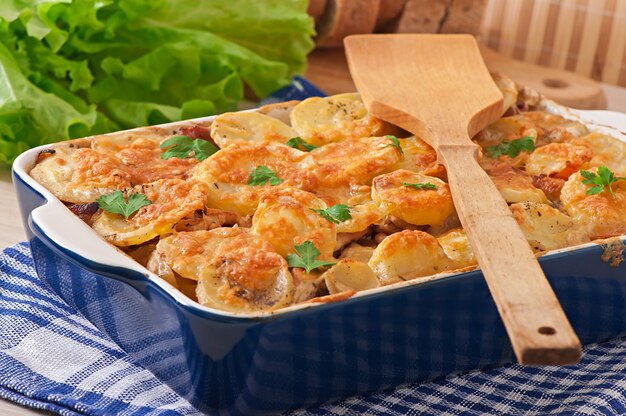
{"points": [[408, 255], [607, 151], [558, 159], [603, 215], [227, 173], [285, 217], [141, 156], [81, 175], [545, 228], [514, 185], [415, 206], [172, 200], [353, 161], [235, 269], [419, 157]]}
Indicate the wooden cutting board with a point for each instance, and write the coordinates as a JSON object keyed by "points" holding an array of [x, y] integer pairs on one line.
{"points": [[328, 70]]}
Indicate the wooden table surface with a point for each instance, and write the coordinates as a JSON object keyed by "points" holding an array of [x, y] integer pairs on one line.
{"points": [[12, 232]]}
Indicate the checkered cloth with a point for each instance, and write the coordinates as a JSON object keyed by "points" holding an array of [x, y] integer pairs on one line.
{"points": [[52, 358]]}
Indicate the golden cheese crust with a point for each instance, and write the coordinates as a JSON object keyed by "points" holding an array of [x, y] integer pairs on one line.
{"points": [[171, 201], [285, 217], [415, 206], [220, 230], [140, 153], [607, 151], [602, 214], [227, 173], [408, 255], [235, 269], [514, 185], [419, 157], [81, 175], [559, 160], [337, 164]]}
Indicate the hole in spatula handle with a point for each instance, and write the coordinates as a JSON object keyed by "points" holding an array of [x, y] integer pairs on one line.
{"points": [[546, 330]]}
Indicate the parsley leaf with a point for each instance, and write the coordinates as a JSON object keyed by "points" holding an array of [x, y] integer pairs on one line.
{"points": [[261, 174], [335, 214], [426, 185], [512, 148], [307, 252], [395, 142], [180, 146], [603, 178], [115, 203], [298, 143]]}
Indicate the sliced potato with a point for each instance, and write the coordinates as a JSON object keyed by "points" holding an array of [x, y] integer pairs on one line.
{"points": [[457, 247], [171, 201], [601, 214], [81, 175], [607, 151], [187, 252], [419, 157], [558, 159], [354, 161], [285, 217], [350, 274], [415, 206], [227, 173], [140, 153], [545, 228], [249, 126], [247, 279], [326, 120], [507, 128], [508, 88], [514, 185], [235, 269], [408, 255], [363, 215]]}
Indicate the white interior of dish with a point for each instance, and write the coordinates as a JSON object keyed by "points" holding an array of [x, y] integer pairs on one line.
{"points": [[69, 232]]}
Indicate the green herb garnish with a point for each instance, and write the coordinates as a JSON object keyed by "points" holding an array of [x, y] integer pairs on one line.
{"points": [[261, 174], [512, 148], [335, 214], [603, 178], [298, 143], [306, 257], [395, 142], [426, 185], [116, 204], [180, 146]]}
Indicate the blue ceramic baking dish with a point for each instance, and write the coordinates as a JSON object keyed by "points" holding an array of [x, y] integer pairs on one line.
{"points": [[312, 353]]}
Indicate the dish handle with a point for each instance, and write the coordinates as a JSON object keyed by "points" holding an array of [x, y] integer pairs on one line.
{"points": [[71, 238]]}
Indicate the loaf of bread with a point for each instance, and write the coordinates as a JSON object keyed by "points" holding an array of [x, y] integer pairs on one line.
{"points": [[346, 17], [316, 9], [336, 19], [464, 16], [422, 16], [389, 11]]}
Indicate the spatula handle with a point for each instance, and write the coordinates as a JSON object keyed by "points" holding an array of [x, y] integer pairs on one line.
{"points": [[537, 326]]}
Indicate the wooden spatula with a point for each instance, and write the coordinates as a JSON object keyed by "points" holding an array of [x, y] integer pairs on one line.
{"points": [[438, 88]]}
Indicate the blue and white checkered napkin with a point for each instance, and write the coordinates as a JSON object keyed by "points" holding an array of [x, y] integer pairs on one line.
{"points": [[52, 358]]}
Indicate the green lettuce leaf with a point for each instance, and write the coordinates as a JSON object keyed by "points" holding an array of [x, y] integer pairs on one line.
{"points": [[70, 68]]}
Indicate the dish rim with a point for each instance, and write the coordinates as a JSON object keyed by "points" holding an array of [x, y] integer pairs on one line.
{"points": [[92, 252]]}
